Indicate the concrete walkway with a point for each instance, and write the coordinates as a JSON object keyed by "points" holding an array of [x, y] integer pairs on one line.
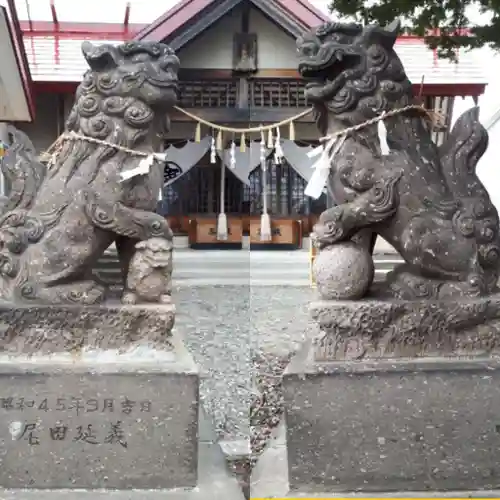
{"points": [[239, 267]]}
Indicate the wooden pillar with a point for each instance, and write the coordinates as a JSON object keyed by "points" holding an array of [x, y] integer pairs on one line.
{"points": [[4, 137], [243, 85]]}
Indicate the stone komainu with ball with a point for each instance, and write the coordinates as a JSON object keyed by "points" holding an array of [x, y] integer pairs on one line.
{"points": [[58, 221], [426, 201]]}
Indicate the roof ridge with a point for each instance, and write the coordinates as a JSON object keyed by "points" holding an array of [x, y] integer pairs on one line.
{"points": [[314, 10], [493, 119], [175, 9]]}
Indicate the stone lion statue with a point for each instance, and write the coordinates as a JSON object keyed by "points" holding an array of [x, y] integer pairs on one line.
{"points": [[150, 273], [58, 221], [426, 201]]}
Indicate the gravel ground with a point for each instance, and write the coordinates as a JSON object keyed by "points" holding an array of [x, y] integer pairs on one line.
{"points": [[242, 338]]}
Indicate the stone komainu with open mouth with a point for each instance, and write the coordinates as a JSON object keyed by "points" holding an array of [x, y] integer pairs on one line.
{"points": [[426, 201], [58, 221]]}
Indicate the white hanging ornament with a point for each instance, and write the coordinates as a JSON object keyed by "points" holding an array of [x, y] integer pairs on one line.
{"points": [[265, 219], [382, 136], [144, 166], [316, 185], [278, 150], [232, 157], [263, 151], [213, 157]]}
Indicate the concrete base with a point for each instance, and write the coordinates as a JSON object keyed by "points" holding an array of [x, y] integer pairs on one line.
{"points": [[270, 480], [392, 425], [102, 419], [214, 481], [114, 416]]}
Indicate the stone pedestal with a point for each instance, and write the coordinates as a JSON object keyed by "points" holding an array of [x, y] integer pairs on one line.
{"points": [[98, 398], [393, 426], [386, 400]]}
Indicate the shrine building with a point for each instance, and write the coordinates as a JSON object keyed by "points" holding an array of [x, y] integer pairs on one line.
{"points": [[238, 69]]}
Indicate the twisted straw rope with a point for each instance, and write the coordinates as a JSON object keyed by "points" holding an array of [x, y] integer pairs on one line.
{"points": [[248, 130], [431, 115], [56, 146], [264, 128]]}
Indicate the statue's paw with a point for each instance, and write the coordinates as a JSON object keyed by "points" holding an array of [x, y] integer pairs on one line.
{"points": [[330, 228], [322, 242], [327, 234], [129, 298]]}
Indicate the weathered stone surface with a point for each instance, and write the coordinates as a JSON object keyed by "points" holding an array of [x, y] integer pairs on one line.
{"points": [[60, 217], [103, 420], [427, 202], [422, 425], [371, 328], [150, 272], [38, 329], [270, 480]]}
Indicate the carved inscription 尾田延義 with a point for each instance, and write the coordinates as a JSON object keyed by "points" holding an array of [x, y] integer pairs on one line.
{"points": [[32, 433], [77, 405]]}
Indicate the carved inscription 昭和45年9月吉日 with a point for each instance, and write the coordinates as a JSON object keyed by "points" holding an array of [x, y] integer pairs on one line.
{"points": [[77, 405], [33, 432]]}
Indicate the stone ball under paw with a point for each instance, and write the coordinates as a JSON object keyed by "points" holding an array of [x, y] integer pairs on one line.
{"points": [[343, 271]]}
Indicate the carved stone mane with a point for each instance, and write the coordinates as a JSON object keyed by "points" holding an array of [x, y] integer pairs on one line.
{"points": [[57, 223], [427, 202]]}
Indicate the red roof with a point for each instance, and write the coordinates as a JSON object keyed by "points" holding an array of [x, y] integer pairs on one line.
{"points": [[54, 49], [304, 12], [179, 15]]}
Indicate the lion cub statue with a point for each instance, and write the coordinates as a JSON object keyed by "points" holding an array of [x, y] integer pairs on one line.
{"points": [[150, 273]]}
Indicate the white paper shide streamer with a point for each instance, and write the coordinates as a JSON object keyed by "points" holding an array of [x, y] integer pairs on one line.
{"points": [[382, 137], [222, 227], [278, 150], [213, 152], [232, 155], [265, 219], [144, 166], [319, 178]]}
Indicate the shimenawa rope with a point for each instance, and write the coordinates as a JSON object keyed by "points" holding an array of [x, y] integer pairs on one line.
{"points": [[51, 153]]}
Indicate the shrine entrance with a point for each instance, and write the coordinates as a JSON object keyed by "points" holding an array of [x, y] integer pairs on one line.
{"points": [[239, 72], [193, 195], [192, 204]]}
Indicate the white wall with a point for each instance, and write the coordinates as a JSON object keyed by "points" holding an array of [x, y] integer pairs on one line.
{"points": [[213, 49], [488, 168], [276, 49]]}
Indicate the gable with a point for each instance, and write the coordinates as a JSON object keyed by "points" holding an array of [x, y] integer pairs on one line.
{"points": [[213, 49], [188, 19]]}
